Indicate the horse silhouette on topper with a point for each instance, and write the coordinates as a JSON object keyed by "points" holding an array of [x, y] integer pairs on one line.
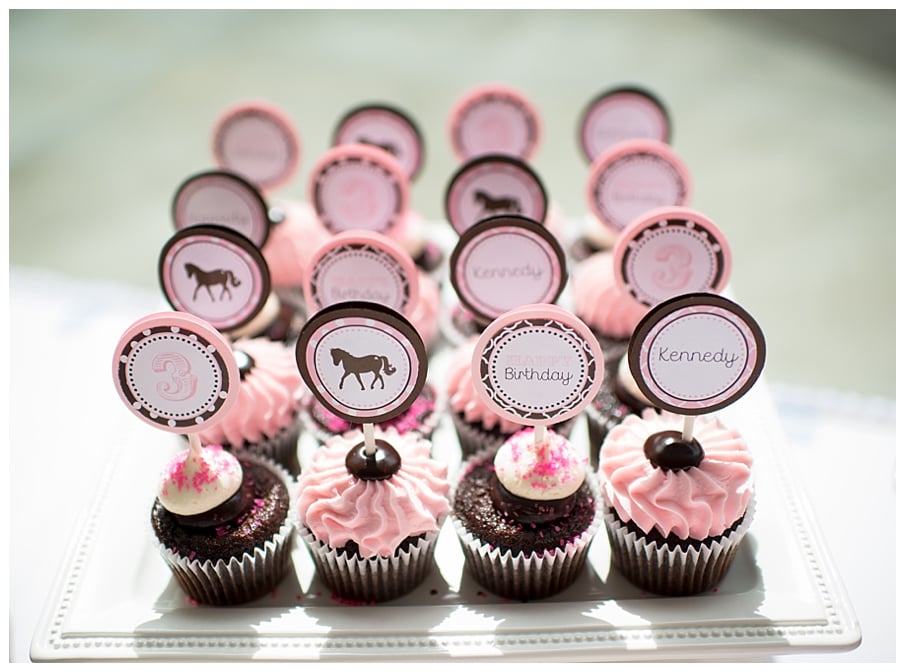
{"points": [[497, 203], [206, 279], [355, 366], [385, 146]]}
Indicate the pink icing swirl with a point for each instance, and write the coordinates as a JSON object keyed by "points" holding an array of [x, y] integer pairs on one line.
{"points": [[696, 503], [600, 302], [270, 396], [292, 242], [463, 396], [377, 515]]}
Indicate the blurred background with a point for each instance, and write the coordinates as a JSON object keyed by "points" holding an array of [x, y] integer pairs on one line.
{"points": [[785, 119]]}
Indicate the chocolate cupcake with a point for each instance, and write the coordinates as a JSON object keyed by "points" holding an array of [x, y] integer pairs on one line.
{"points": [[677, 510], [371, 519], [525, 516], [221, 523]]}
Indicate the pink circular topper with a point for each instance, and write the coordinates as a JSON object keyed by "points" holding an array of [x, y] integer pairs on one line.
{"points": [[537, 365], [216, 274], [635, 176], [494, 119], [224, 198], [504, 262], [671, 251], [175, 372], [696, 353], [619, 114], [257, 140], [363, 361], [386, 128], [494, 184], [361, 266], [359, 187]]}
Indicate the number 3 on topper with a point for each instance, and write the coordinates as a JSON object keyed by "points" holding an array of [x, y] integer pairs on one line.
{"points": [[537, 365], [175, 372]]}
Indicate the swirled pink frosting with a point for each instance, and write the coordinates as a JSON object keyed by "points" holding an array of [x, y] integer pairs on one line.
{"points": [[600, 302], [425, 315], [696, 503], [291, 243], [377, 515], [270, 395], [463, 396]]}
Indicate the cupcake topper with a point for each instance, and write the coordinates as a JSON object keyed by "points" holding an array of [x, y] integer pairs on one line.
{"points": [[504, 262], [257, 140], [224, 198], [537, 365], [363, 361], [175, 372], [618, 114], [386, 128], [359, 187], [696, 353], [494, 184], [494, 119], [361, 266], [216, 274], [671, 251], [634, 176]]}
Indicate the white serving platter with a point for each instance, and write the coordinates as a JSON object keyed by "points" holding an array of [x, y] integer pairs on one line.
{"points": [[115, 600]]}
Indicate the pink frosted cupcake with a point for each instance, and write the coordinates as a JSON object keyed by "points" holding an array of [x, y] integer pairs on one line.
{"points": [[221, 524], [676, 511], [525, 516], [477, 425], [266, 420], [371, 523]]}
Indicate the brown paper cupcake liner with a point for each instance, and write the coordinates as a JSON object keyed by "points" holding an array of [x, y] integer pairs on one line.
{"points": [[528, 576], [368, 580], [655, 567], [241, 578]]}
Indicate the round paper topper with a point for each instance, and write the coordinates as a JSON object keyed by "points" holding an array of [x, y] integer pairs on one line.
{"points": [[386, 128], [635, 176], [494, 184], [224, 198], [361, 266], [175, 372], [696, 353], [505, 262], [363, 361], [258, 140], [494, 119], [537, 365], [619, 114], [359, 187], [671, 251], [216, 274]]}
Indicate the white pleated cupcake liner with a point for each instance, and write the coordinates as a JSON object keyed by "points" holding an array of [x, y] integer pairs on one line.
{"points": [[242, 578], [368, 580], [654, 567], [527, 576]]}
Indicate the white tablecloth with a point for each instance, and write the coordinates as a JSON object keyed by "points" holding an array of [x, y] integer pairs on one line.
{"points": [[63, 416]]}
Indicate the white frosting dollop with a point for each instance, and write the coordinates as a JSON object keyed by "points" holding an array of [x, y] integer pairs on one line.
{"points": [[198, 481], [552, 470]]}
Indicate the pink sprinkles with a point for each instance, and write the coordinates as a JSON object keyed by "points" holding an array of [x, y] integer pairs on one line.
{"points": [[203, 476]]}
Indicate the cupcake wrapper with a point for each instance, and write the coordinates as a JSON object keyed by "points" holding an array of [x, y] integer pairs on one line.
{"points": [[371, 579], [653, 567], [242, 578], [524, 576]]}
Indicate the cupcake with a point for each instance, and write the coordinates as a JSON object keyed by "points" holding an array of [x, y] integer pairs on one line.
{"points": [[422, 417], [526, 515], [478, 426], [676, 510], [221, 523], [425, 314], [427, 254], [371, 521], [266, 420]]}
